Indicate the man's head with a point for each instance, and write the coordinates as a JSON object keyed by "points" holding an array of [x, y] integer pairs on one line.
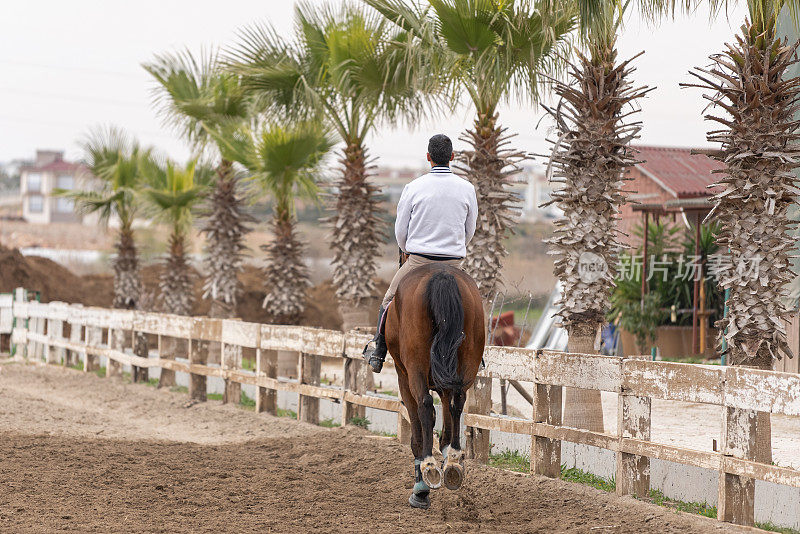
{"points": [[440, 150]]}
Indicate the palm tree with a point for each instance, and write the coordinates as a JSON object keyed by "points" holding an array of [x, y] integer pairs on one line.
{"points": [[752, 82], [173, 194], [197, 98], [349, 65], [590, 157], [285, 162], [494, 52], [116, 160]]}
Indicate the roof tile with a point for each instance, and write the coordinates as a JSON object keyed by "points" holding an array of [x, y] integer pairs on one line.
{"points": [[684, 173]]}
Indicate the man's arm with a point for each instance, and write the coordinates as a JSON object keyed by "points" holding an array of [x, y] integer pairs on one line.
{"points": [[472, 215], [403, 218]]}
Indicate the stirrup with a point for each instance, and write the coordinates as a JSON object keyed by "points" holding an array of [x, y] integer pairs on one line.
{"points": [[376, 363], [372, 358]]}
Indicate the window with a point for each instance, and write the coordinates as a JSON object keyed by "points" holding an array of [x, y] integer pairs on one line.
{"points": [[65, 181], [34, 182], [64, 205], [35, 204]]}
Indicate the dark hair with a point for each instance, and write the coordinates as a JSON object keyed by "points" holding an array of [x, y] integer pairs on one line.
{"points": [[440, 148]]}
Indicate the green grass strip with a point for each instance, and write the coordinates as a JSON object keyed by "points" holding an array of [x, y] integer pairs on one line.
{"points": [[329, 423], [363, 422], [511, 460], [573, 474], [286, 413]]}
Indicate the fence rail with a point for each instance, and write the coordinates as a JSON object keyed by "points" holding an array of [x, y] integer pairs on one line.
{"points": [[740, 392]]}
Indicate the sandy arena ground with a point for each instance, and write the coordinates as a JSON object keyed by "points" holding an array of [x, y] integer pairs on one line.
{"points": [[80, 453]]}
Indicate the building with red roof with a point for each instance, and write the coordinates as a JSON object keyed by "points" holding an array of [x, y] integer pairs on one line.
{"points": [[38, 182], [668, 177]]}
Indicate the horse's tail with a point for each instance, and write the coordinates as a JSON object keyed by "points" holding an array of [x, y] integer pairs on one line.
{"points": [[447, 315]]}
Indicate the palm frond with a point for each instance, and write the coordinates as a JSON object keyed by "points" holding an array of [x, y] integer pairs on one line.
{"points": [[194, 93], [173, 193], [345, 61], [117, 161], [283, 162]]}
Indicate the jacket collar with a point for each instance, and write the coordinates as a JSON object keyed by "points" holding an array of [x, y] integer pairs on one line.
{"points": [[441, 169]]}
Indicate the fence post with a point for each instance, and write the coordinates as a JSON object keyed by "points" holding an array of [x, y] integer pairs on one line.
{"points": [[479, 401], [353, 381], [116, 341], [55, 330], [267, 365], [141, 349], [546, 452], [231, 358], [736, 497], [308, 407], [36, 348], [633, 421], [94, 335], [167, 349], [403, 427], [20, 324], [198, 355], [75, 336], [33, 327]]}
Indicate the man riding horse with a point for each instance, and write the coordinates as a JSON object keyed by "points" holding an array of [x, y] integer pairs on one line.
{"points": [[436, 218]]}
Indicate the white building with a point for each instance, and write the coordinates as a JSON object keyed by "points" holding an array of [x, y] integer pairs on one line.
{"points": [[38, 181]]}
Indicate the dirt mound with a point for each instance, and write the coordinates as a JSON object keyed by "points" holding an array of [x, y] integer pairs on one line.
{"points": [[57, 283], [53, 281], [59, 474]]}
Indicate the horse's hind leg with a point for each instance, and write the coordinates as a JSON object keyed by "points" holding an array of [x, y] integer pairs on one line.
{"points": [[431, 472], [420, 495], [454, 456], [447, 424]]}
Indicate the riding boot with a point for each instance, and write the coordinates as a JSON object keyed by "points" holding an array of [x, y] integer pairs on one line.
{"points": [[376, 357]]}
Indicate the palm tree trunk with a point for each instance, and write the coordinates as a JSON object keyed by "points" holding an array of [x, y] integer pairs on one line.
{"points": [[286, 276], [128, 292], [759, 146], [177, 292], [589, 159], [176, 279], [127, 281], [583, 407], [490, 166], [357, 231], [225, 227]]}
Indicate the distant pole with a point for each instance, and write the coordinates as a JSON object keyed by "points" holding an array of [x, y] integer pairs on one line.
{"points": [[644, 257], [723, 359], [696, 295], [703, 317]]}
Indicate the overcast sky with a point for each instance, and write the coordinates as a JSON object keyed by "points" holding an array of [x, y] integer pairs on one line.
{"points": [[67, 66]]}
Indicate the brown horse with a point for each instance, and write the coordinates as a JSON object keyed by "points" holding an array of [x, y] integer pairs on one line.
{"points": [[435, 333]]}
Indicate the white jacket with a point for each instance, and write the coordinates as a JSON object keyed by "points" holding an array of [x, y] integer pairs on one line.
{"points": [[436, 214]]}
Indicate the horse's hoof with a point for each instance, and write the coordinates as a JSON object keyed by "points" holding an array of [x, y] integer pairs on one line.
{"points": [[423, 502], [431, 473], [453, 476]]}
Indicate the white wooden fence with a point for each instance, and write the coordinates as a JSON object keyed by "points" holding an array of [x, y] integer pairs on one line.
{"points": [[740, 392], [6, 317]]}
